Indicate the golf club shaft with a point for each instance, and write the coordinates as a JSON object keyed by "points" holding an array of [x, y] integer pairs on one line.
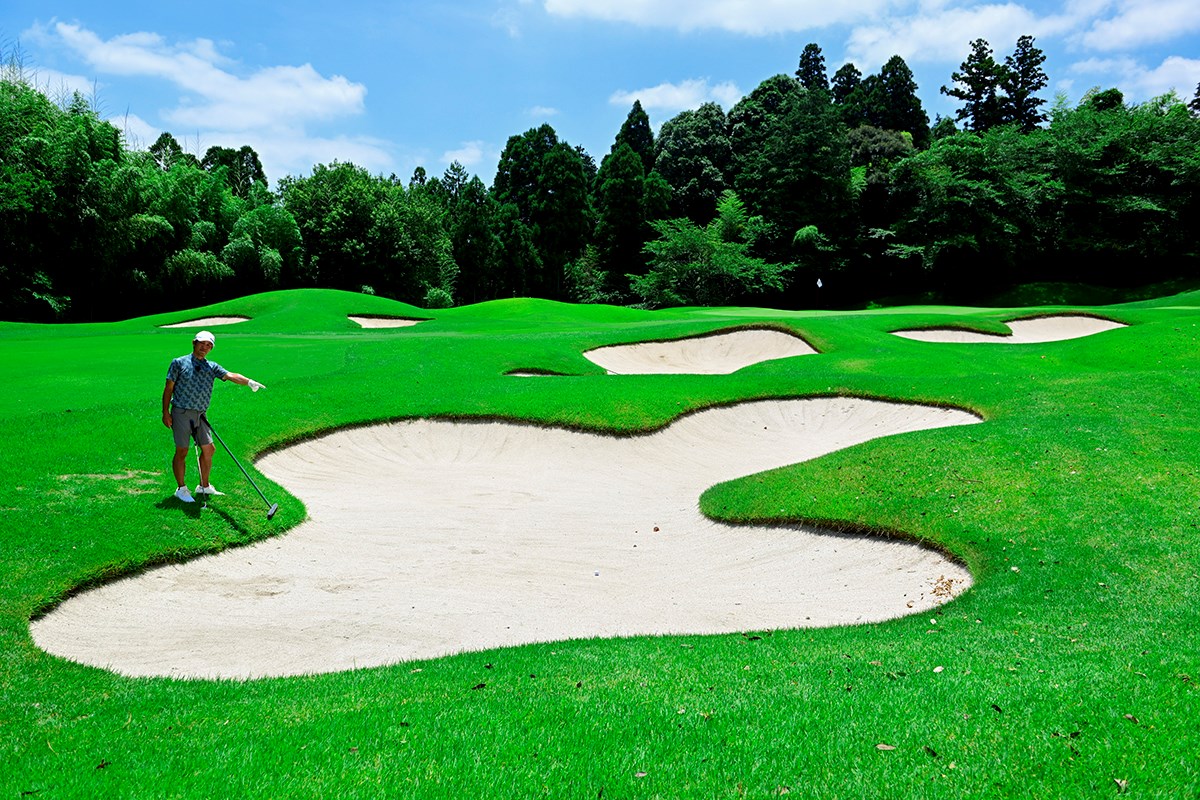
{"points": [[239, 464]]}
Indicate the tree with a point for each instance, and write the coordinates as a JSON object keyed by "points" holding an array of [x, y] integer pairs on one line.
{"points": [[1130, 189], [166, 151], [754, 117], [621, 217], [799, 175], [243, 168], [1195, 104], [892, 102], [690, 265], [975, 209], [636, 132], [547, 181], [693, 157], [1022, 78], [334, 208], [977, 85], [845, 80], [942, 127], [811, 72], [476, 247]]}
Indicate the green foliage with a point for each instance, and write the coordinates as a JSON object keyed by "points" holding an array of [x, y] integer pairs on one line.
{"points": [[694, 158], [977, 85], [636, 132], [690, 265], [547, 181], [1023, 77], [811, 72], [799, 173]]}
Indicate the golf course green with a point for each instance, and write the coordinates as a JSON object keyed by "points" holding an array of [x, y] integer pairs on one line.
{"points": [[1069, 668]]}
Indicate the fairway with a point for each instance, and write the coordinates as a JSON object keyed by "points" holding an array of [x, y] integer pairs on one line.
{"points": [[1051, 484]]}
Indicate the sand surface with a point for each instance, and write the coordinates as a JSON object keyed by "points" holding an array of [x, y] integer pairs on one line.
{"points": [[385, 322], [716, 354], [432, 537], [1024, 331], [206, 322]]}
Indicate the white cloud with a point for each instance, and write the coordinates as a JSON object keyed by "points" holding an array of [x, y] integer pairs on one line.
{"points": [[1139, 82], [671, 98], [1140, 22], [268, 108], [924, 38], [469, 154], [543, 112], [753, 17], [271, 96], [139, 134], [55, 84]]}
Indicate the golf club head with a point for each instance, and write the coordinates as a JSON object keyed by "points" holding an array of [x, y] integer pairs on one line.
{"points": [[271, 511]]}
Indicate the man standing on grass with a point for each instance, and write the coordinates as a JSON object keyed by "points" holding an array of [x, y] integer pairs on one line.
{"points": [[185, 399]]}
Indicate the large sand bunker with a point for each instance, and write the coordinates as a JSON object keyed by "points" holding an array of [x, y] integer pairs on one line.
{"points": [[1036, 330], [206, 322], [434, 537], [713, 354]]}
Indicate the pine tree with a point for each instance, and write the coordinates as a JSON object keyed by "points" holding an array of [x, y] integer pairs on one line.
{"points": [[845, 81], [895, 105], [811, 72], [977, 85], [1195, 104], [636, 133], [1023, 77]]}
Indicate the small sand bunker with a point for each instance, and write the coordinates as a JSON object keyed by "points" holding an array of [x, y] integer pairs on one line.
{"points": [[713, 354], [206, 322], [428, 538], [1024, 331], [369, 321]]}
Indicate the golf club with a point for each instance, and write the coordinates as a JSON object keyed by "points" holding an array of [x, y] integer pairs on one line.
{"points": [[271, 507]]}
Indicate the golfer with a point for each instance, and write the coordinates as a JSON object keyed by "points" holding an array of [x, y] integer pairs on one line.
{"points": [[185, 398]]}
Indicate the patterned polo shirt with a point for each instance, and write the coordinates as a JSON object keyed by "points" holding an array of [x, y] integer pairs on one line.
{"points": [[193, 379]]}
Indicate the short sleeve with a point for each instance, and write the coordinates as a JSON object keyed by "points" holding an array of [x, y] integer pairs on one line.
{"points": [[173, 371], [218, 371]]}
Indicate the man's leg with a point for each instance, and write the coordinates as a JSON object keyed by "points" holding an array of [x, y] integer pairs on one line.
{"points": [[206, 457], [179, 465]]}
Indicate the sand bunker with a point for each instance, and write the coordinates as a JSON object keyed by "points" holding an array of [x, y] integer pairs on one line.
{"points": [[368, 321], [1024, 331], [433, 537], [714, 354], [206, 322]]}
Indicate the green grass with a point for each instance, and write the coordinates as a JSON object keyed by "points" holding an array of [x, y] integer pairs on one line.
{"points": [[1071, 665]]}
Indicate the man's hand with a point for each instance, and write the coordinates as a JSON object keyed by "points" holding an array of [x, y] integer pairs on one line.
{"points": [[167, 418], [254, 385]]}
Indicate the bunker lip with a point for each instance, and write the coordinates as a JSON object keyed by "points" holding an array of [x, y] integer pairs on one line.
{"points": [[717, 353], [433, 537], [205, 322], [1025, 330]]}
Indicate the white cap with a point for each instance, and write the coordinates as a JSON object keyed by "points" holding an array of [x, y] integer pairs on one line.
{"points": [[205, 336]]}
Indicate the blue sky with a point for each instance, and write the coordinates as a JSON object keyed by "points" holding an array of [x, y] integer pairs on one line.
{"points": [[394, 85]]}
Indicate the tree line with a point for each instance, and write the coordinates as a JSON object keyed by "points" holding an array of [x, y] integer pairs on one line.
{"points": [[810, 191]]}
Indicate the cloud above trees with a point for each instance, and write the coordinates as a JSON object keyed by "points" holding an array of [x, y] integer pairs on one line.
{"points": [[272, 106]]}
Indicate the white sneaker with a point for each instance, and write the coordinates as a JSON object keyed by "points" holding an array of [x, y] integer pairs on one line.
{"points": [[210, 489], [183, 495]]}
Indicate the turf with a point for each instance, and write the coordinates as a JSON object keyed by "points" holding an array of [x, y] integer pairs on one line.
{"points": [[1069, 670]]}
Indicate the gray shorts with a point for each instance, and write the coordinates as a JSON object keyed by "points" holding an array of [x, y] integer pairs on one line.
{"points": [[187, 425]]}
